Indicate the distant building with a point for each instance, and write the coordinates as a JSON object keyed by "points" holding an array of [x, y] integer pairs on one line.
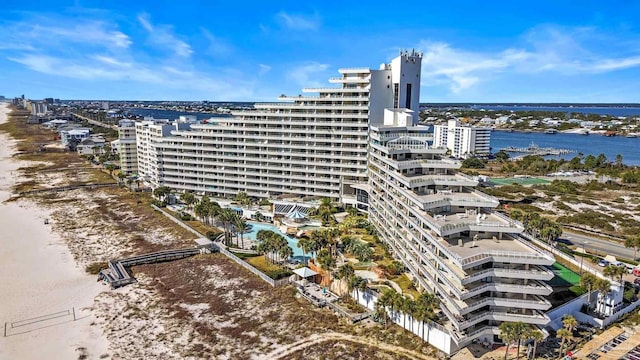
{"points": [[149, 133], [92, 145], [126, 147], [462, 141], [74, 135]]}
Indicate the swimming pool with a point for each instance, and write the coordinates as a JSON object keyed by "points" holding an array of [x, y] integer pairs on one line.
{"points": [[293, 242]]}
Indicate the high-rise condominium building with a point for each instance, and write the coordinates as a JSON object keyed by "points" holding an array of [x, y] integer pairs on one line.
{"points": [[462, 141], [449, 236], [126, 145], [313, 145]]}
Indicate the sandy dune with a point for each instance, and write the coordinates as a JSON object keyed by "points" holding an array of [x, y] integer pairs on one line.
{"points": [[41, 285]]}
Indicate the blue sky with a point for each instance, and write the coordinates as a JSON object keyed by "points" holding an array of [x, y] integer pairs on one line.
{"points": [[474, 51]]}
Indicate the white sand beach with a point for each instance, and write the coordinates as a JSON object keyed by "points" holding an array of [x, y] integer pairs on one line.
{"points": [[40, 285]]}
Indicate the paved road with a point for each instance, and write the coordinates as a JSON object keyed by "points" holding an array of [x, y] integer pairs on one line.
{"points": [[604, 246]]}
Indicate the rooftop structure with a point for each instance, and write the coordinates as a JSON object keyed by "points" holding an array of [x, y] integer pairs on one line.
{"points": [[449, 237]]}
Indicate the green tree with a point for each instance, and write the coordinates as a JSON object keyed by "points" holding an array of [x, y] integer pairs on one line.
{"points": [[633, 242], [162, 192], [242, 198], [537, 336], [473, 163], [563, 334], [326, 261], [603, 286], [588, 281], [384, 301], [502, 156], [188, 199], [425, 308], [306, 244], [241, 227], [508, 335]]}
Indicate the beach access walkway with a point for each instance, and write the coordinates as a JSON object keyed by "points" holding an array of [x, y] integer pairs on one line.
{"points": [[117, 274]]}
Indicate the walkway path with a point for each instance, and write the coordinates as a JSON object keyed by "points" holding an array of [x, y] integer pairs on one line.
{"points": [[320, 338]]}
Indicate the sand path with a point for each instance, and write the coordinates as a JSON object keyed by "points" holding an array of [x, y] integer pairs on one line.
{"points": [[39, 279], [320, 338]]}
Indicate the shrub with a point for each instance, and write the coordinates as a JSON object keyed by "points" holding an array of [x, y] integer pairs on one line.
{"points": [[94, 268], [577, 290], [212, 235]]}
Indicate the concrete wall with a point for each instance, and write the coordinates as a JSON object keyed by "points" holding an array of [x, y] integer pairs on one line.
{"points": [[570, 308], [430, 332]]}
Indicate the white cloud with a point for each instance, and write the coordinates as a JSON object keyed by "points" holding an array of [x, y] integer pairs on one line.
{"points": [[217, 46], [162, 36], [263, 69], [41, 33], [297, 21], [307, 75], [545, 49]]}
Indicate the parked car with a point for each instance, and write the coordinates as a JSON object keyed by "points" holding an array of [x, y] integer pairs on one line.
{"points": [[619, 264], [603, 263], [630, 268], [637, 281]]}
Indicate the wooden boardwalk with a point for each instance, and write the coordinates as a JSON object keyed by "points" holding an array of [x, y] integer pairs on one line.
{"points": [[117, 274]]}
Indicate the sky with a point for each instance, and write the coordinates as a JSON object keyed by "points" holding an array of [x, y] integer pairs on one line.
{"points": [[473, 51]]}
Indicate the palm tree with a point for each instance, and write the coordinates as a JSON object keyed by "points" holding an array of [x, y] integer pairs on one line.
{"points": [[242, 198], [306, 245], [588, 281], [603, 286], [383, 302], [189, 199], [610, 271], [161, 192], [121, 177], [241, 226], [569, 322], [537, 336], [426, 306], [227, 216], [325, 211], [508, 335], [326, 261], [563, 334], [407, 306], [633, 242], [345, 274], [285, 251], [356, 283], [520, 332]]}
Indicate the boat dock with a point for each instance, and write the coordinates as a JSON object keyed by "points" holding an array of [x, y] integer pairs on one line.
{"points": [[117, 274], [534, 149]]}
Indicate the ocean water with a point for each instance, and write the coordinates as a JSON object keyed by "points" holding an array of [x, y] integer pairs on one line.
{"points": [[629, 148], [600, 110]]}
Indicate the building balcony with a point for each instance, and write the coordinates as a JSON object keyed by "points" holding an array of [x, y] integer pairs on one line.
{"points": [[336, 90], [537, 318], [535, 273], [429, 164], [534, 303], [350, 80]]}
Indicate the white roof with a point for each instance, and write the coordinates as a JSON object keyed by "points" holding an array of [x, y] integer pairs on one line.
{"points": [[305, 272]]}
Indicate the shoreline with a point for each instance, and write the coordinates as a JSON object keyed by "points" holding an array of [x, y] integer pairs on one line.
{"points": [[40, 279]]}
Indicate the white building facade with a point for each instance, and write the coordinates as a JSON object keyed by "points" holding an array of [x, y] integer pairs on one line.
{"points": [[450, 238], [462, 141], [126, 147], [314, 145]]}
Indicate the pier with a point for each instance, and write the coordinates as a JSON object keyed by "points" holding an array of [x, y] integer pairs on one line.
{"points": [[117, 274], [534, 149]]}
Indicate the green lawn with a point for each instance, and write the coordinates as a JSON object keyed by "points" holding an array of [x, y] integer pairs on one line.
{"points": [[520, 181], [564, 276]]}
